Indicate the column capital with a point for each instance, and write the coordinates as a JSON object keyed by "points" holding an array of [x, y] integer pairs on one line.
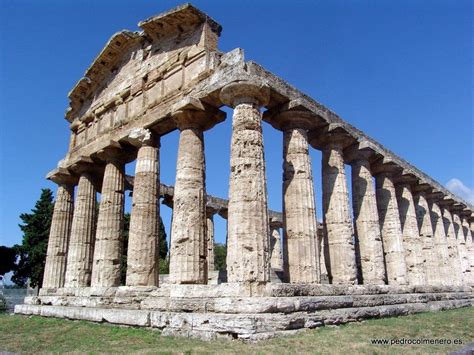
{"points": [[387, 169], [355, 155], [293, 115], [139, 137], [62, 176], [114, 152], [405, 180], [330, 136], [239, 92], [422, 188], [446, 203], [434, 196], [458, 208], [192, 113]]}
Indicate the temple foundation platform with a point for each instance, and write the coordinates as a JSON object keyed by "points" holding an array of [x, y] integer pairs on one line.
{"points": [[239, 311]]}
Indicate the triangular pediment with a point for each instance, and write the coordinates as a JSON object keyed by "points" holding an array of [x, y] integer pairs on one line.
{"points": [[165, 39]]}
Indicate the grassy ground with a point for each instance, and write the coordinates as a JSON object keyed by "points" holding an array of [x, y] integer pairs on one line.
{"points": [[35, 334]]}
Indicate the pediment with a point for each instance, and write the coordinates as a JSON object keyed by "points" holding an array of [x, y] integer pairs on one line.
{"points": [[128, 57]]}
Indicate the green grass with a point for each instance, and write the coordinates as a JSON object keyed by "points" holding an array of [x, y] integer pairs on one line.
{"points": [[39, 335]]}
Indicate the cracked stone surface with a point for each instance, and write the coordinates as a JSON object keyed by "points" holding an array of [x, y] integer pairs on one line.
{"points": [[248, 225], [440, 243], [391, 229], [453, 252], [299, 211], [108, 238], [470, 250], [55, 267], [366, 224], [339, 249], [210, 243], [188, 250], [412, 241], [426, 234], [276, 259], [142, 263], [81, 243]]}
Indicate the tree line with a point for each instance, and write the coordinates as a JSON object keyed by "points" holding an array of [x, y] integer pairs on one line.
{"points": [[27, 260]]}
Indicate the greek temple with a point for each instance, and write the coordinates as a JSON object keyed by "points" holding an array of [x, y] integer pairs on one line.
{"points": [[402, 244]]}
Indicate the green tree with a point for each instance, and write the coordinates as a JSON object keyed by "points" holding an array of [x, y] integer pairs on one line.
{"points": [[220, 255], [32, 252], [7, 259]]}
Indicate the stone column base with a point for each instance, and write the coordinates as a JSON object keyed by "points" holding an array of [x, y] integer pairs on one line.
{"points": [[241, 311]]}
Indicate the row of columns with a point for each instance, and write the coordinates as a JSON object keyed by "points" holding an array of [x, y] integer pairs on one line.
{"points": [[402, 233]]}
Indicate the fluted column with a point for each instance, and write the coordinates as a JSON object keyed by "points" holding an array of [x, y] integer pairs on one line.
{"points": [[108, 240], [142, 257], [366, 221], [470, 249], [210, 242], [390, 227], [188, 250], [299, 209], [440, 242], [81, 243], [276, 259], [453, 253], [412, 241], [426, 234], [248, 258], [56, 257], [338, 243]]}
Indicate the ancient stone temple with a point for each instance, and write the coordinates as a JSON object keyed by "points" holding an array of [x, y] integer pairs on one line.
{"points": [[402, 244]]}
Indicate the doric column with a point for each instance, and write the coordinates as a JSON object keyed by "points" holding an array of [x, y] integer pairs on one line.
{"points": [[81, 243], [188, 250], [469, 247], [463, 253], [439, 238], [426, 234], [412, 242], [453, 253], [210, 241], [276, 259], [299, 209], [142, 257], [248, 227], [108, 240], [366, 218], [390, 226], [55, 267], [339, 251]]}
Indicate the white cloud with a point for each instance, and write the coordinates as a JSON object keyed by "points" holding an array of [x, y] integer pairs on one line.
{"points": [[458, 188]]}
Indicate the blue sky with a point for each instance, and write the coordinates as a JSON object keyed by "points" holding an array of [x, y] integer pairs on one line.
{"points": [[399, 70]]}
